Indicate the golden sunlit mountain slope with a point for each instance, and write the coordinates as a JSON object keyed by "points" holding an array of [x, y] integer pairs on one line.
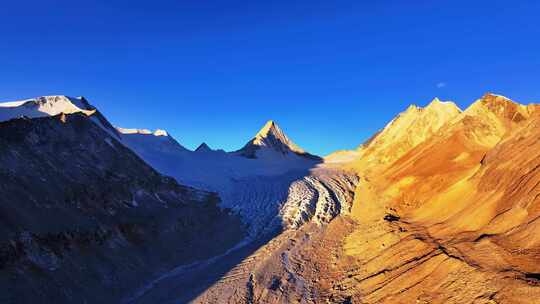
{"points": [[447, 211], [455, 219], [403, 133]]}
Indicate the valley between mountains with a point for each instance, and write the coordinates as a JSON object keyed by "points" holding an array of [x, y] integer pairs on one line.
{"points": [[440, 206]]}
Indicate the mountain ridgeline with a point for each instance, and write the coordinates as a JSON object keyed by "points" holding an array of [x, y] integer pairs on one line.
{"points": [[442, 205]]}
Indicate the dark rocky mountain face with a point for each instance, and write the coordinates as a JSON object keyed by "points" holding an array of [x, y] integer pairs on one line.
{"points": [[83, 219]]}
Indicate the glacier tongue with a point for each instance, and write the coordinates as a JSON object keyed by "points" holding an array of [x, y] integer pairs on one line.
{"points": [[320, 197], [292, 199]]}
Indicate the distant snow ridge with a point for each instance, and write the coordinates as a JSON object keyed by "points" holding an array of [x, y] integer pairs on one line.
{"points": [[158, 132], [217, 170], [157, 148]]}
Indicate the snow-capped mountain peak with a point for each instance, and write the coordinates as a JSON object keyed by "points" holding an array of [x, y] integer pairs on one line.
{"points": [[269, 127], [271, 139], [271, 135], [44, 106], [51, 106]]}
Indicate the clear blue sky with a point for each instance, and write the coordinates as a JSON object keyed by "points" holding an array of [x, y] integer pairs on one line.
{"points": [[329, 72]]}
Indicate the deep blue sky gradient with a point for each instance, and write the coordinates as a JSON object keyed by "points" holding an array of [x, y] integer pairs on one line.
{"points": [[329, 72]]}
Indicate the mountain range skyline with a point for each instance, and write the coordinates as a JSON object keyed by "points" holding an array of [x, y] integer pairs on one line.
{"points": [[238, 142], [439, 190], [232, 65], [270, 152]]}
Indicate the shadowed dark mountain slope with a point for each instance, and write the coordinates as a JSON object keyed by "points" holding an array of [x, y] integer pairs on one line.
{"points": [[81, 213]]}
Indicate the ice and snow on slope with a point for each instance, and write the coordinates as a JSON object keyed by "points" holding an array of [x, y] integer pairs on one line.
{"points": [[279, 188], [216, 170], [43, 106], [51, 106], [288, 200], [320, 197], [157, 132], [268, 182]]}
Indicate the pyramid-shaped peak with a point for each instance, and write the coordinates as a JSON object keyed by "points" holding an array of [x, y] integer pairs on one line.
{"points": [[203, 148], [272, 136], [270, 127], [270, 123], [271, 139]]}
